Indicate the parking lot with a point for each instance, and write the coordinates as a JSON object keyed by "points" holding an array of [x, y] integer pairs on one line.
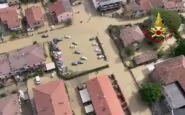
{"points": [[84, 48]]}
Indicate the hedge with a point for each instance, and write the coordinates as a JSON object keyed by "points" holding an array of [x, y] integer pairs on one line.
{"points": [[85, 72]]}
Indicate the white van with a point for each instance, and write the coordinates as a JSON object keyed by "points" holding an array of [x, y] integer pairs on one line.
{"points": [[37, 79]]}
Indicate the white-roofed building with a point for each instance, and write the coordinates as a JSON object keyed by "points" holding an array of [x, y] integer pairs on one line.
{"points": [[104, 5]]}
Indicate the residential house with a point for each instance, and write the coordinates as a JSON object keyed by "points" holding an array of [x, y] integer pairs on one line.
{"points": [[170, 71], [105, 5], [130, 35], [34, 17], [10, 105], [146, 57], [52, 99], [147, 5], [28, 57], [175, 5], [20, 60], [61, 11], [171, 74], [103, 96], [10, 18]]}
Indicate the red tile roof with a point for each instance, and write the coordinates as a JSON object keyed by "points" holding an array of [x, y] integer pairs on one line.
{"points": [[27, 56], [170, 71], [52, 99], [57, 7], [103, 96], [148, 4], [10, 105], [33, 15], [9, 16], [131, 34]]}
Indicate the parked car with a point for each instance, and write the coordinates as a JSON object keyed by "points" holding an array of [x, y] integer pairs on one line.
{"points": [[56, 40], [91, 39], [72, 46], [75, 43], [99, 53], [97, 50], [67, 37], [83, 58], [37, 80], [94, 44], [80, 62], [44, 36], [77, 52], [101, 56], [74, 63]]}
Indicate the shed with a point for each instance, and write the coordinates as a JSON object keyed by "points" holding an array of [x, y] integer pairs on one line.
{"points": [[146, 57], [50, 66], [84, 95]]}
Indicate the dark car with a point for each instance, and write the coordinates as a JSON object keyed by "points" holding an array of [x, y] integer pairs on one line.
{"points": [[56, 40], [44, 36], [80, 62], [91, 39]]}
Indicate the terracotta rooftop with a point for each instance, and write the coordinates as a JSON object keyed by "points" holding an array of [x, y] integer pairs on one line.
{"points": [[10, 105], [170, 71], [149, 4], [10, 16], [27, 56], [131, 34], [60, 6], [33, 15], [52, 99], [4, 64], [103, 96], [145, 57]]}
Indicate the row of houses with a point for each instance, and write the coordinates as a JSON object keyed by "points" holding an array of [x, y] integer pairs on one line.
{"points": [[59, 11], [29, 58], [138, 8]]}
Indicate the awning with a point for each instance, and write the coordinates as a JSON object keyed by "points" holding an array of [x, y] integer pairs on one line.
{"points": [[50, 66], [89, 108], [84, 95]]}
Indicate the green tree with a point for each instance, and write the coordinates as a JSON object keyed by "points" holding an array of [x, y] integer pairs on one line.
{"points": [[129, 50], [180, 49], [150, 93], [172, 19], [13, 35]]}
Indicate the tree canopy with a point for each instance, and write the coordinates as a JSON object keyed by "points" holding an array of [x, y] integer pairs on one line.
{"points": [[150, 92], [180, 49], [172, 19]]}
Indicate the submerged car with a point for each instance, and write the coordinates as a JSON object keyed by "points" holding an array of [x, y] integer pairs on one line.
{"points": [[101, 56], [83, 58], [67, 37], [77, 52], [44, 36], [80, 62], [74, 63]]}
